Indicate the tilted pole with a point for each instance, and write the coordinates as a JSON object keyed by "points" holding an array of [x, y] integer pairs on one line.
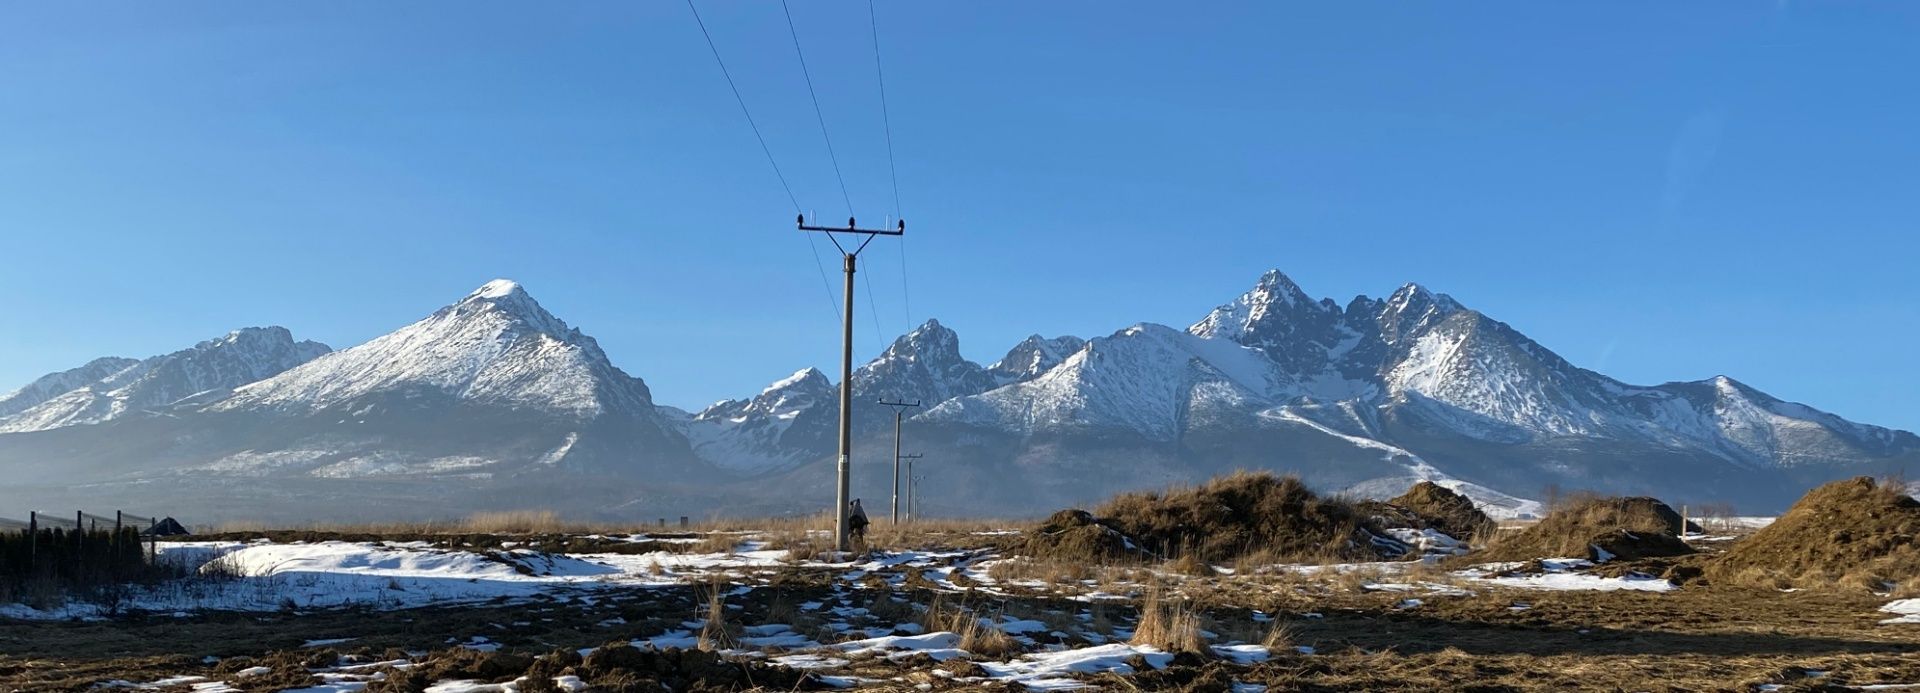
{"points": [[899, 409], [844, 468]]}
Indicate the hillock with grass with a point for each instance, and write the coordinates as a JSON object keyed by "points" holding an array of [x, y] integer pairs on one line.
{"points": [[1856, 533], [1598, 528], [1245, 515]]}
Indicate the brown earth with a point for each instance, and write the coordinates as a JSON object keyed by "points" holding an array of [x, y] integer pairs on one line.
{"points": [[1628, 528], [1855, 533]]}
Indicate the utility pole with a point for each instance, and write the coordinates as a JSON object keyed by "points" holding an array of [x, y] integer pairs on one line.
{"points": [[899, 408], [910, 484], [844, 486]]}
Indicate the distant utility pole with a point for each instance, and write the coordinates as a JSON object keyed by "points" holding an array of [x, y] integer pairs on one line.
{"points": [[910, 483], [899, 408], [846, 364]]}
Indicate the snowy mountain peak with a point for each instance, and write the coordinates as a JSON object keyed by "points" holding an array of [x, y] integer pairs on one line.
{"points": [[496, 289], [1033, 356], [1275, 298], [495, 347], [924, 364], [215, 365], [52, 385]]}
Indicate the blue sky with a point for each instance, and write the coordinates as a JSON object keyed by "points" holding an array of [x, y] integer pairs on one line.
{"points": [[1659, 191]]}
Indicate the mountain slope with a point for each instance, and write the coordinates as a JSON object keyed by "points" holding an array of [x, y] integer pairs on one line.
{"points": [[496, 347], [241, 357]]}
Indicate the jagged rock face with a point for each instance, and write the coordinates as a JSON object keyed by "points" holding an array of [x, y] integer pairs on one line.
{"points": [[784, 425], [923, 365], [1033, 357], [215, 365]]}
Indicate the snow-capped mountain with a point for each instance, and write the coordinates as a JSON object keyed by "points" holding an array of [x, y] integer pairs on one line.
{"points": [[1032, 357], [119, 387], [493, 401], [495, 347], [52, 385], [758, 434]]}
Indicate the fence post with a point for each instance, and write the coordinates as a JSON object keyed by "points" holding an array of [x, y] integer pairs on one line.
{"points": [[33, 537], [663, 523], [683, 522]]}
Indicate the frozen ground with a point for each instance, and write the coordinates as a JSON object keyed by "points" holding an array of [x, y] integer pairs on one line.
{"points": [[845, 621]]}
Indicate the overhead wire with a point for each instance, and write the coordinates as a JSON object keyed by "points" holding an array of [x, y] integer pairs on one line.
{"points": [[768, 151], [817, 112], [893, 169]]}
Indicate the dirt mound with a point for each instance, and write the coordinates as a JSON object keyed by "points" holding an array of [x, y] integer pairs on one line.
{"points": [[1856, 532], [1598, 528], [1076, 535], [1242, 514], [1444, 510]]}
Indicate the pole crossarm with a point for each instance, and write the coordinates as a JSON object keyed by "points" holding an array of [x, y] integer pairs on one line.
{"points": [[844, 467]]}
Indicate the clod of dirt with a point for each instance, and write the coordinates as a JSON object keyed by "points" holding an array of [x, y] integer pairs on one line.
{"points": [[1446, 511], [1597, 528], [1241, 514], [1621, 544], [622, 667], [461, 663], [1855, 532]]}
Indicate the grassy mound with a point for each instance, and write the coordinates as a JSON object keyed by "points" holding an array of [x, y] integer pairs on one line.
{"points": [[1597, 528], [1444, 510], [1244, 514], [1076, 535], [1855, 532]]}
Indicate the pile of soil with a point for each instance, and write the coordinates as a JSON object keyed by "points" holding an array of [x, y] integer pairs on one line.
{"points": [[616, 667], [1076, 535], [1597, 528], [1442, 509], [1240, 515], [1856, 533]]}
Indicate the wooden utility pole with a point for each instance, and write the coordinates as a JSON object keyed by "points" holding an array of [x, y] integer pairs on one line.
{"points": [[843, 487], [899, 408], [910, 484]]}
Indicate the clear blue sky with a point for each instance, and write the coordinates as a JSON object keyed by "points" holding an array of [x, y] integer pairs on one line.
{"points": [[1655, 190]]}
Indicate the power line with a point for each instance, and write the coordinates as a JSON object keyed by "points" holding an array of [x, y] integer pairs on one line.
{"points": [[764, 149], [886, 120], [893, 169], [817, 113]]}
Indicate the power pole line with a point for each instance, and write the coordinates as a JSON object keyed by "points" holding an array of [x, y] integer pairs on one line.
{"points": [[899, 409], [910, 479], [845, 466]]}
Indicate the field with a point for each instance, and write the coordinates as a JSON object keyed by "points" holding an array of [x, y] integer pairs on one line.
{"points": [[932, 607]]}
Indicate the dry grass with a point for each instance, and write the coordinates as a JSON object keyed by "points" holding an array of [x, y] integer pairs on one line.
{"points": [[1272, 518], [1855, 534], [1625, 527], [1170, 625], [977, 637], [717, 633]]}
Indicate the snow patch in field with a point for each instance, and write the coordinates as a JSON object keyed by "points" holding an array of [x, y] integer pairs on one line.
{"points": [[1908, 611]]}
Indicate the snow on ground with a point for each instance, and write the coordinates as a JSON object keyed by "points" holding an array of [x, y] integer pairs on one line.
{"points": [[1907, 610], [1050, 671], [1561, 575]]}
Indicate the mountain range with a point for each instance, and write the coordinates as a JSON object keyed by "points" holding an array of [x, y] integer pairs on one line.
{"points": [[492, 402]]}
